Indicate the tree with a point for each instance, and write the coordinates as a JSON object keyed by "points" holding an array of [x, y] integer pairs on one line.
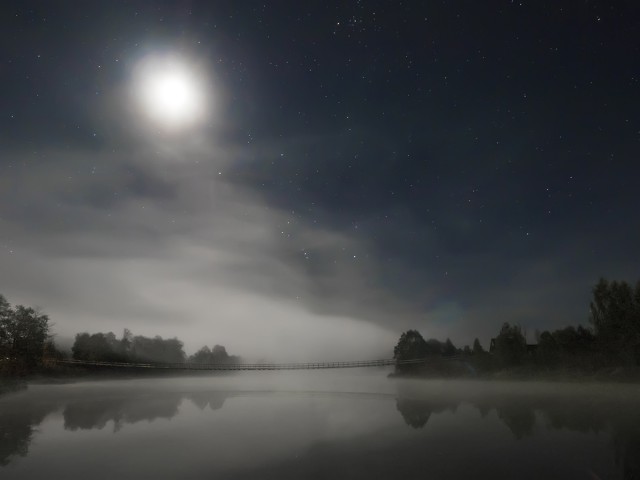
{"points": [[105, 347], [30, 334], [548, 350], [6, 319], [448, 348], [126, 343], [511, 346], [52, 352], [23, 333], [202, 356], [615, 316], [410, 346], [158, 349], [218, 354], [99, 347], [434, 347], [477, 347], [574, 341]]}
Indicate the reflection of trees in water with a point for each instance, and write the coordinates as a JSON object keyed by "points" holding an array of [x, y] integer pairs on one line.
{"points": [[16, 432], [90, 414], [15, 436], [19, 419], [416, 411], [11, 385], [626, 443], [515, 413], [213, 400], [18, 425], [577, 414], [517, 416], [519, 419]]}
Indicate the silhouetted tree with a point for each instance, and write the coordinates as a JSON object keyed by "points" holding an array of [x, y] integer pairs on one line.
{"points": [[216, 355], [51, 351], [411, 345], [158, 349], [6, 321], [548, 350], [511, 346], [477, 347], [126, 343], [103, 347], [574, 341], [219, 353], [6, 315], [23, 333], [448, 348], [106, 347], [202, 356], [434, 347], [615, 316]]}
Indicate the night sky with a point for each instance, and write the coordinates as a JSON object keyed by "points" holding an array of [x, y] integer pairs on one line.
{"points": [[360, 168]]}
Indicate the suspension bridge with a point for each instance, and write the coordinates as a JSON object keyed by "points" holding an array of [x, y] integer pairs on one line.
{"points": [[249, 366]]}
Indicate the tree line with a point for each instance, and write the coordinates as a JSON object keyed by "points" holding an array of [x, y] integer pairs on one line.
{"points": [[612, 339], [105, 347], [26, 345]]}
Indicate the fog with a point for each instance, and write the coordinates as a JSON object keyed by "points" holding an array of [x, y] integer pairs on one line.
{"points": [[313, 424], [160, 249]]}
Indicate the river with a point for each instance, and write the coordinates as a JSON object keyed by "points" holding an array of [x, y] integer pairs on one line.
{"points": [[319, 424]]}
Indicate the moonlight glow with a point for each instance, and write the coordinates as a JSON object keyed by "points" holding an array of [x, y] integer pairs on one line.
{"points": [[170, 92]]}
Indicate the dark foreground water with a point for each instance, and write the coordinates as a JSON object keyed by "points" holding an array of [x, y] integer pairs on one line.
{"points": [[319, 424]]}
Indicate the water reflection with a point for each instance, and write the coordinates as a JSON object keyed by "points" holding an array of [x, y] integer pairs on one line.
{"points": [[17, 426], [416, 411], [518, 412], [21, 414], [522, 412], [88, 414]]}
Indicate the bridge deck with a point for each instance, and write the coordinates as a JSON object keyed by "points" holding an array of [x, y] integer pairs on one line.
{"points": [[246, 366]]}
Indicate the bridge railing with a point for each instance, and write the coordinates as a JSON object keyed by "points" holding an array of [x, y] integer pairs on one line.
{"points": [[250, 366]]}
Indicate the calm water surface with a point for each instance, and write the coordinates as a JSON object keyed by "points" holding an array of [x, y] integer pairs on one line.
{"points": [[319, 424]]}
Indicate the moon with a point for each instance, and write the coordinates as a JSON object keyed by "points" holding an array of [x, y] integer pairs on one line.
{"points": [[171, 92]]}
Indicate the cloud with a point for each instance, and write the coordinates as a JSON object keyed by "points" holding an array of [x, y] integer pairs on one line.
{"points": [[181, 239], [102, 243]]}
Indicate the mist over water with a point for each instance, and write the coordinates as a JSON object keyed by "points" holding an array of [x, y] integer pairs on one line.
{"points": [[319, 424]]}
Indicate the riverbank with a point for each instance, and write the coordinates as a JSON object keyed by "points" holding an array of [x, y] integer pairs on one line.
{"points": [[526, 373], [62, 374]]}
